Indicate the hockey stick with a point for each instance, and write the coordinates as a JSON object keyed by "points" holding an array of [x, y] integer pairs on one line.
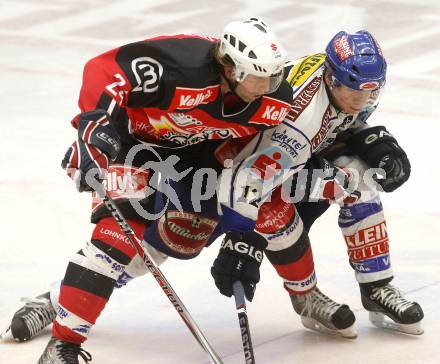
{"points": [[153, 268], [240, 304]]}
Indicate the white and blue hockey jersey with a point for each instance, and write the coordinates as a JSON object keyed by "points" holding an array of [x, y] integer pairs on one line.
{"points": [[276, 154]]}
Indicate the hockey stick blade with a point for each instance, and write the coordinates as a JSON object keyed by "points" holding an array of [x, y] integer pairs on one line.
{"points": [[240, 304], [139, 246]]}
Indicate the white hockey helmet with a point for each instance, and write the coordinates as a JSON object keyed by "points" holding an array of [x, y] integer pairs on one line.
{"points": [[255, 50]]}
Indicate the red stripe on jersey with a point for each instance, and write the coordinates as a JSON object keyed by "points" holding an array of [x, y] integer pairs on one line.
{"points": [[84, 304], [298, 270]]}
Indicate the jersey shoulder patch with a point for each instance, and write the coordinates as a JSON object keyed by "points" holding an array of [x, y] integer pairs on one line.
{"points": [[304, 68]]}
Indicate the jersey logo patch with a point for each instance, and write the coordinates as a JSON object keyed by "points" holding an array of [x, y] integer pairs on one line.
{"points": [[267, 166], [189, 98], [271, 112], [147, 72], [303, 70]]}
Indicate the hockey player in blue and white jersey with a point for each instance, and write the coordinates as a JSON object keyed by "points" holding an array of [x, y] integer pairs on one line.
{"points": [[334, 94]]}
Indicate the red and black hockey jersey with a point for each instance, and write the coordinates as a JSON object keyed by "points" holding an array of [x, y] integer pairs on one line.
{"points": [[168, 88]]}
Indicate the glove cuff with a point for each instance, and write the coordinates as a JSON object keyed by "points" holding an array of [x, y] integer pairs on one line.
{"points": [[94, 128], [249, 245]]}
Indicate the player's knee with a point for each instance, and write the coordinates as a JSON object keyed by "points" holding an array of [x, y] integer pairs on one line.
{"points": [[109, 251], [102, 259], [279, 223], [137, 268]]}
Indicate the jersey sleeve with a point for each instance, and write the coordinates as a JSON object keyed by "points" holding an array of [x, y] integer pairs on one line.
{"points": [[104, 85], [265, 163], [109, 81]]}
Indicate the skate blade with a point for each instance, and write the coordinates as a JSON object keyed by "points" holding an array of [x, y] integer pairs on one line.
{"points": [[312, 324], [6, 334], [381, 321]]}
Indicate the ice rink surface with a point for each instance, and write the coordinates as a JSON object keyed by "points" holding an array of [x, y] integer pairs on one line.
{"points": [[43, 47]]}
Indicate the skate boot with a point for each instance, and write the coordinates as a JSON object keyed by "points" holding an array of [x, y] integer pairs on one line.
{"points": [[61, 352], [32, 318], [388, 301], [320, 313]]}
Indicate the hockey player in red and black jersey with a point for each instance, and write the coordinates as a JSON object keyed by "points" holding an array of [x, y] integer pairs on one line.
{"points": [[150, 102]]}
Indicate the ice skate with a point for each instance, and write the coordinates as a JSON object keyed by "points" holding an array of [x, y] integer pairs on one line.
{"points": [[61, 352], [388, 301], [31, 319], [320, 313]]}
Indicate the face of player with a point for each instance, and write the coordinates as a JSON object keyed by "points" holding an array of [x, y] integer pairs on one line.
{"points": [[252, 87], [346, 99]]}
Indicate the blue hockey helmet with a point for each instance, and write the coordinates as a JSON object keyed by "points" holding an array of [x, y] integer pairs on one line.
{"points": [[356, 60]]}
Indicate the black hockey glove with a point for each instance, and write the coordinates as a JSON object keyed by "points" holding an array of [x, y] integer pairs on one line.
{"points": [[379, 149], [98, 142], [239, 259]]}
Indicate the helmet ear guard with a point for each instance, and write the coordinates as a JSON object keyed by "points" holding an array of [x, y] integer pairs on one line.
{"points": [[356, 61]]}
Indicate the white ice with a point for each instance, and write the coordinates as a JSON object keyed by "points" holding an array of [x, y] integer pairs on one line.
{"points": [[43, 47]]}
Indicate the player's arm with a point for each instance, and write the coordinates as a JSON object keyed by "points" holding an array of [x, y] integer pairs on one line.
{"points": [[106, 89], [105, 85], [380, 149], [103, 93]]}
